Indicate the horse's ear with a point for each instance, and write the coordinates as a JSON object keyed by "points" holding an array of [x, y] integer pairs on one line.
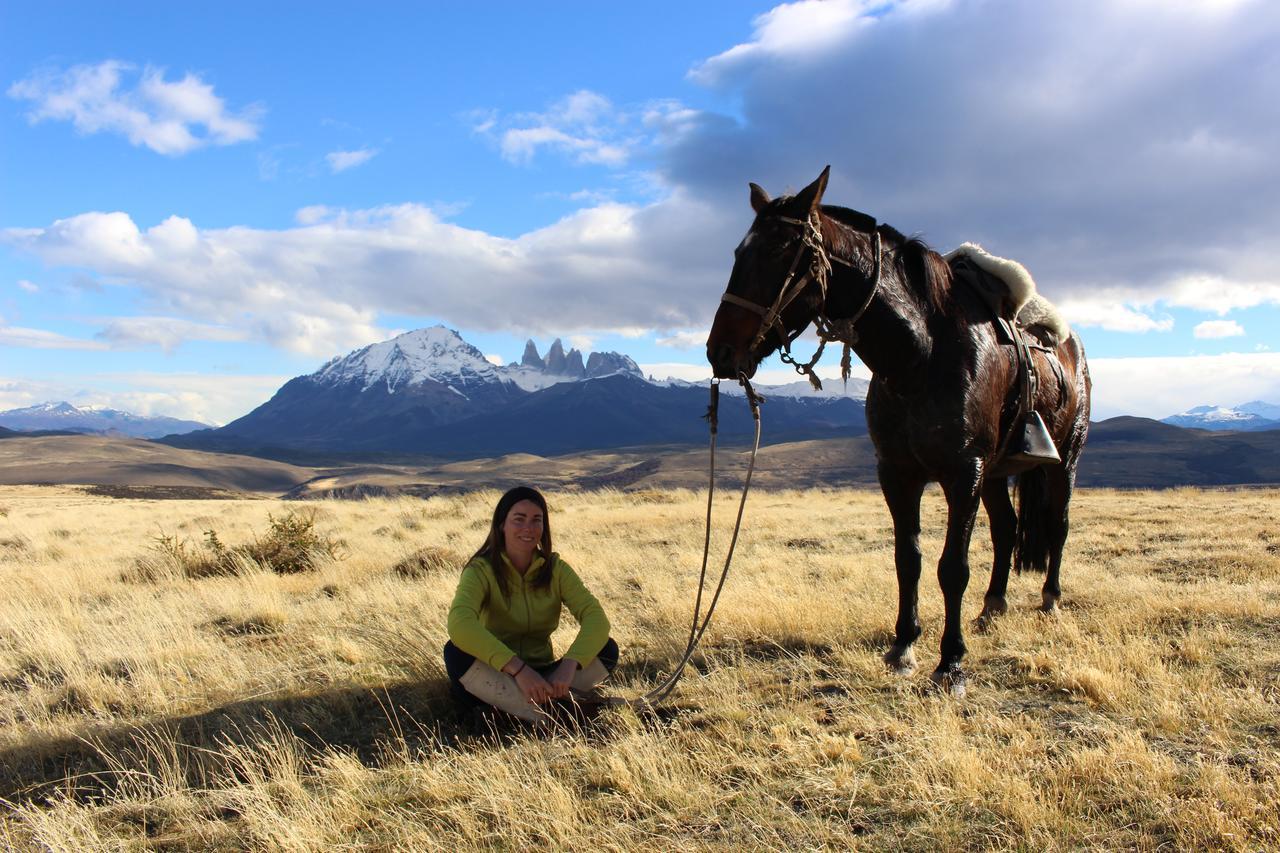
{"points": [[808, 199], [759, 198]]}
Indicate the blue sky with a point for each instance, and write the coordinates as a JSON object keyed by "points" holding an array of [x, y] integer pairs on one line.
{"points": [[198, 205]]}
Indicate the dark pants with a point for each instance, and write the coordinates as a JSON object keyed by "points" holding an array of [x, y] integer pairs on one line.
{"points": [[457, 662]]}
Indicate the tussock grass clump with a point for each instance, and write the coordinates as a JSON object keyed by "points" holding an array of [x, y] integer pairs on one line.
{"points": [[290, 545], [428, 561]]}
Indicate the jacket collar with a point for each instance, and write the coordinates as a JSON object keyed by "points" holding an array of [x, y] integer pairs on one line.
{"points": [[531, 574]]}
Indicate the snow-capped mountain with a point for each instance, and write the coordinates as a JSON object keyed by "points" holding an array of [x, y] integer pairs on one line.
{"points": [[1247, 417], [440, 355], [430, 392], [436, 355], [97, 419]]}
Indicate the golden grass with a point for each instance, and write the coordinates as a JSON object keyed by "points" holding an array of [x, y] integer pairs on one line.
{"points": [[308, 711]]}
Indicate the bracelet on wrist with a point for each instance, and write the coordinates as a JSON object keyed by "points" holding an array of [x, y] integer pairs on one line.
{"points": [[520, 669]]}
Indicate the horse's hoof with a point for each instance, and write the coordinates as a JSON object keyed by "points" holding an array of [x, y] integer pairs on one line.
{"points": [[901, 660], [991, 608], [950, 681], [1049, 604]]}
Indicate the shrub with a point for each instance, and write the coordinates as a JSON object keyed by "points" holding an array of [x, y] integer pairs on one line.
{"points": [[290, 545]]}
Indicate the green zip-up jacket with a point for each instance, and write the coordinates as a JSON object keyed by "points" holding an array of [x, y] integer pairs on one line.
{"points": [[493, 628]]}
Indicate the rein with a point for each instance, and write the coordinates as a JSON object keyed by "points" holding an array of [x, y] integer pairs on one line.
{"points": [[819, 271], [698, 628]]}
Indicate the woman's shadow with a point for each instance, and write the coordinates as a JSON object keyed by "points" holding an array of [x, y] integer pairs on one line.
{"points": [[367, 722], [364, 721]]}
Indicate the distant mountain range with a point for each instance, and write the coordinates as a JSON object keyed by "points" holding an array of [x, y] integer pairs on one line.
{"points": [[64, 417], [430, 394], [1253, 416]]}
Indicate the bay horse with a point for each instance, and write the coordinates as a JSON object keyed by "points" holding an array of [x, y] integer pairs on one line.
{"points": [[943, 399]]}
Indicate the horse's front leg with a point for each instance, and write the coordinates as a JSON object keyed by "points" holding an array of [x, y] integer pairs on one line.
{"points": [[902, 491], [962, 490]]}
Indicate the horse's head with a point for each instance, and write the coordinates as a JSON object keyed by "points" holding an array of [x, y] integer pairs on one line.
{"points": [[760, 303]]}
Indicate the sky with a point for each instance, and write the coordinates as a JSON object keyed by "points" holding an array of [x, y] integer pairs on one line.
{"points": [[197, 204]]}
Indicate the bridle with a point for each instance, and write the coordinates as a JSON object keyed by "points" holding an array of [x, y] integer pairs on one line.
{"points": [[819, 270]]}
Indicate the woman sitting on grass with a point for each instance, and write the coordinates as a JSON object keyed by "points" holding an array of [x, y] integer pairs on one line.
{"points": [[508, 604]]}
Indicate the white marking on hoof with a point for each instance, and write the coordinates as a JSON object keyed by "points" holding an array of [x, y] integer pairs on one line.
{"points": [[951, 682], [901, 659], [1049, 603]]}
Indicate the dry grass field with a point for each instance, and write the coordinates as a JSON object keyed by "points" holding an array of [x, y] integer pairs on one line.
{"points": [[152, 696]]}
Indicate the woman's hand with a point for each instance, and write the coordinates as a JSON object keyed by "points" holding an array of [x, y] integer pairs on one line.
{"points": [[534, 687], [562, 678]]}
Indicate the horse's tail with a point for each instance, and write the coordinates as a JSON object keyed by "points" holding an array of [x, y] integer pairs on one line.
{"points": [[1032, 543]]}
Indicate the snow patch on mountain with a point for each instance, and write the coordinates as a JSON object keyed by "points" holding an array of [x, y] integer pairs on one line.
{"points": [[1247, 416], [434, 354]]}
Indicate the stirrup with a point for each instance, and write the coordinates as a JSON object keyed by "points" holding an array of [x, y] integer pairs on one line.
{"points": [[1034, 443]]}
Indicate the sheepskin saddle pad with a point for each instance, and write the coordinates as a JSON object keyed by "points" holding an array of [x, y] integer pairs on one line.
{"points": [[1028, 308]]}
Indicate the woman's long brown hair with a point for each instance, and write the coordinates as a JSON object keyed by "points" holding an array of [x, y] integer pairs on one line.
{"points": [[492, 549]]}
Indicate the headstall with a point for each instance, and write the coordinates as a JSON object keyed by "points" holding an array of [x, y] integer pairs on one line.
{"points": [[819, 271]]}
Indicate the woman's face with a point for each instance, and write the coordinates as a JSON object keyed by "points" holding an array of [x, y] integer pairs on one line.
{"points": [[522, 529]]}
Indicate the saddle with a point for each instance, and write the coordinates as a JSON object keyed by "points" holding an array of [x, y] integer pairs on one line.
{"points": [[1024, 320]]}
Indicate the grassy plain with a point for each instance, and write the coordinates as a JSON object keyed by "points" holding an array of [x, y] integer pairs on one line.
{"points": [[141, 708]]}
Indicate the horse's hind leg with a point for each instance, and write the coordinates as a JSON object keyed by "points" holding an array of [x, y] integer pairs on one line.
{"points": [[1060, 483], [902, 492], [1004, 528]]}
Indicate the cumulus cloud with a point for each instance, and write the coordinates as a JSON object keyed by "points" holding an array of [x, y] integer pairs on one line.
{"points": [[28, 286], [169, 117], [1218, 329], [317, 288], [1159, 387], [1105, 143], [340, 161]]}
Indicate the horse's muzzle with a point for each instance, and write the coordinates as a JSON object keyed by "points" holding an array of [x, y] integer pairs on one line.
{"points": [[726, 362]]}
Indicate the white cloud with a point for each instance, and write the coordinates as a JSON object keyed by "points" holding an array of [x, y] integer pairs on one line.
{"points": [[169, 117], [1218, 329], [15, 336], [1159, 387], [340, 161], [695, 339], [317, 288], [1104, 143], [168, 333], [586, 127], [1112, 316], [582, 343], [494, 359], [28, 286]]}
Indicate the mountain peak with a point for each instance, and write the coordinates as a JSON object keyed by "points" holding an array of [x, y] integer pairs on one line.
{"points": [[435, 353], [531, 357]]}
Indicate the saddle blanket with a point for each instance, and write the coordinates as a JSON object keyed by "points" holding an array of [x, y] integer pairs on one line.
{"points": [[1027, 307]]}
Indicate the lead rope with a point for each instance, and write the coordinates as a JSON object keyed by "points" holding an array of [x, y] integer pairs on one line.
{"points": [[696, 630]]}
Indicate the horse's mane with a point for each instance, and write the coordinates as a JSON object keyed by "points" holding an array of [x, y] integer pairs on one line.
{"points": [[920, 264]]}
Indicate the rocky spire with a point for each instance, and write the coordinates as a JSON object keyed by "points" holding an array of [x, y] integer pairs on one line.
{"points": [[531, 357], [575, 368], [556, 362]]}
